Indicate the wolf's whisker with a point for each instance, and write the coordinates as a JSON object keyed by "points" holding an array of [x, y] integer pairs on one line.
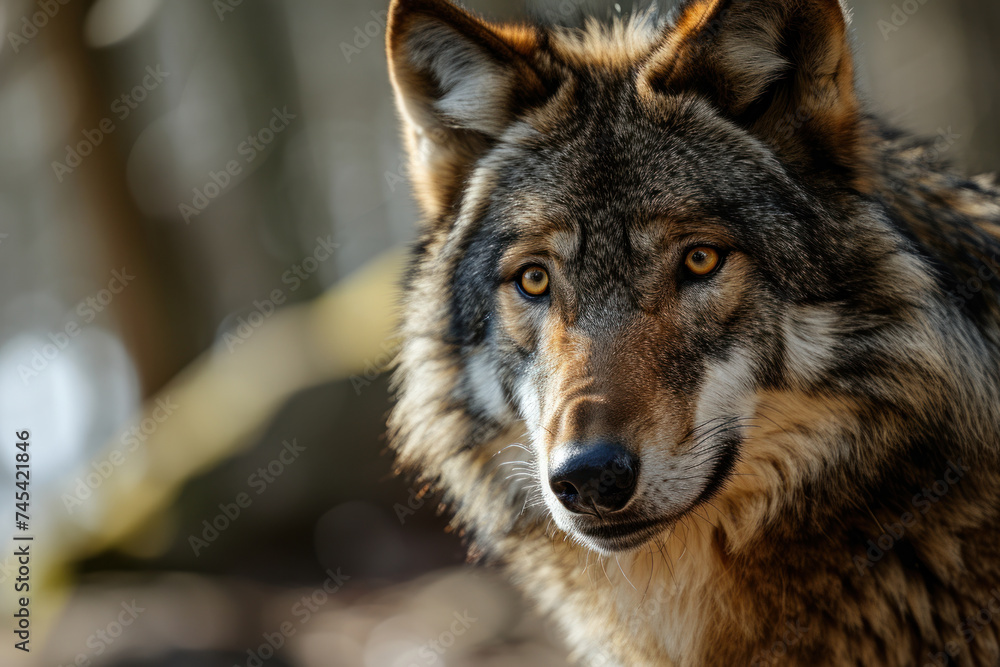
{"points": [[516, 444]]}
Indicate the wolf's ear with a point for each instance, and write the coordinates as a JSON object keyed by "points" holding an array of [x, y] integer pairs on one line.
{"points": [[783, 69], [459, 83]]}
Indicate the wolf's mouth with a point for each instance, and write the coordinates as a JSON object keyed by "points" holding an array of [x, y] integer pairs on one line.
{"points": [[623, 536], [630, 530]]}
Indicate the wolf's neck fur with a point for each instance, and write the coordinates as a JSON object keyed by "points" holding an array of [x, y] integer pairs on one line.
{"points": [[955, 220], [810, 574]]}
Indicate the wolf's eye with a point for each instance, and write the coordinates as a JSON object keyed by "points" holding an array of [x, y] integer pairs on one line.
{"points": [[534, 281], [702, 260]]}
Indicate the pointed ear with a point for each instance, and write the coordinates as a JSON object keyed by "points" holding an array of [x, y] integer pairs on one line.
{"points": [[459, 83], [782, 69]]}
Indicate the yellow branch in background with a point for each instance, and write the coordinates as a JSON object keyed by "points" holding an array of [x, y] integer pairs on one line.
{"points": [[224, 398]]}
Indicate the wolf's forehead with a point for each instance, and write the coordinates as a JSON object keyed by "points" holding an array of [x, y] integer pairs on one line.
{"points": [[600, 142], [614, 160], [567, 232]]}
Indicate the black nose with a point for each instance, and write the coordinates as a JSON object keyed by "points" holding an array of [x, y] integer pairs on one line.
{"points": [[599, 475]]}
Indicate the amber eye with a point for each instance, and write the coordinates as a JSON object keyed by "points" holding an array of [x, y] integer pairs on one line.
{"points": [[534, 281], [702, 260]]}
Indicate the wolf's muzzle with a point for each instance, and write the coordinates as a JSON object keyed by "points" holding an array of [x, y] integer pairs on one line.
{"points": [[589, 478]]}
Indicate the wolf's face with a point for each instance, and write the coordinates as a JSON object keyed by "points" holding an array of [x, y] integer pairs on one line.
{"points": [[629, 246], [628, 316], [628, 287]]}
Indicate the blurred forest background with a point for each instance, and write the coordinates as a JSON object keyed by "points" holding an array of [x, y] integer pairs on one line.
{"points": [[202, 211]]}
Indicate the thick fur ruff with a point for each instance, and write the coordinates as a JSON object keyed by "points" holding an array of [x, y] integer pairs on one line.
{"points": [[817, 421]]}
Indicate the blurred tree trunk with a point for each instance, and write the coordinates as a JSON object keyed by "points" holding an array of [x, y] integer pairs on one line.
{"points": [[138, 310]]}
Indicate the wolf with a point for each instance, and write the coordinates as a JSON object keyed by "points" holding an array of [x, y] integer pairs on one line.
{"points": [[699, 350]]}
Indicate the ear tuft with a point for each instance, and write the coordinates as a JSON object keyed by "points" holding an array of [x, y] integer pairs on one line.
{"points": [[781, 68], [459, 84]]}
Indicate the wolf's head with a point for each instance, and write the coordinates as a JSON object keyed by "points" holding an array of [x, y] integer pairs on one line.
{"points": [[647, 241]]}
